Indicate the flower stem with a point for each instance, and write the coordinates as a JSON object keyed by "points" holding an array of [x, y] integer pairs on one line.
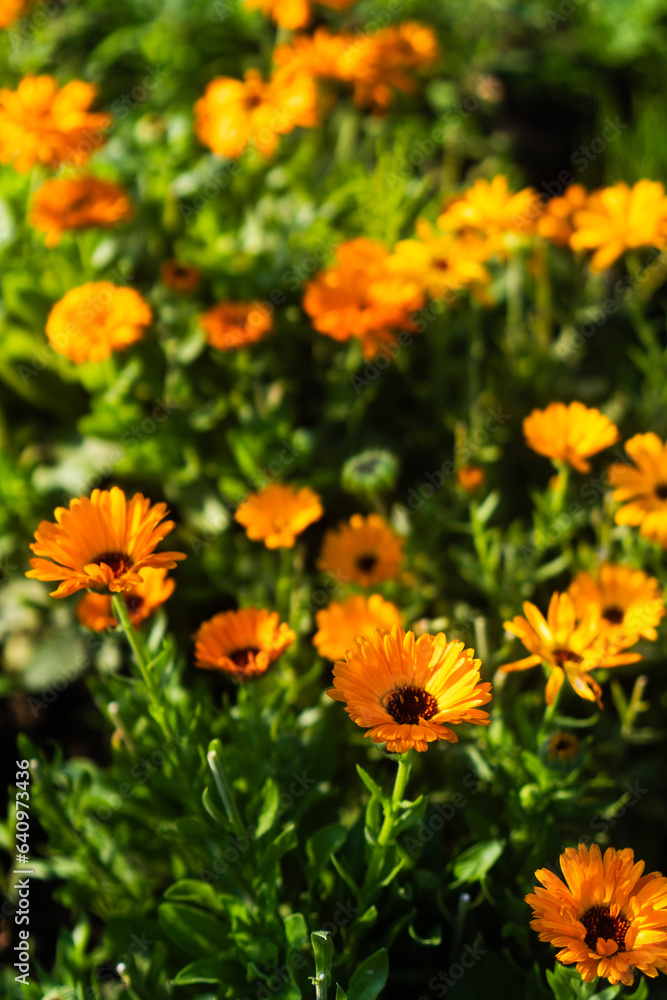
{"points": [[391, 809], [284, 585]]}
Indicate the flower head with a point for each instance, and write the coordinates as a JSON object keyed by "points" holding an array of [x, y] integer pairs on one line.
{"points": [[230, 325], [41, 124], [406, 691], [569, 434], [491, 211], [364, 550], [93, 320], [242, 643], [604, 914], [556, 222], [95, 611], [642, 487], [278, 513], [344, 621], [561, 751], [620, 218], [180, 277], [630, 602], [77, 203], [293, 13], [11, 10], [441, 264], [370, 472], [376, 63], [470, 478], [103, 542]]}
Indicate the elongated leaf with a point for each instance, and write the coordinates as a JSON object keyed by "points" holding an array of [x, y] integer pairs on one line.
{"points": [[370, 977], [194, 931], [269, 811], [191, 890], [371, 785], [321, 846], [474, 863]]}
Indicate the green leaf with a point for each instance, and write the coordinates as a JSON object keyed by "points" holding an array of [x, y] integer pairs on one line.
{"points": [[190, 890], [284, 842], [371, 785], [323, 951], [195, 932], [474, 863], [204, 970], [340, 993], [296, 929], [269, 810], [370, 977], [321, 846]]}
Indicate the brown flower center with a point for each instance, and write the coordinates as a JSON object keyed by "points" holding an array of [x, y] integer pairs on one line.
{"points": [[242, 657], [134, 603], [441, 265], [599, 923], [408, 705], [563, 656], [367, 562], [661, 491], [80, 203], [118, 562], [563, 746], [613, 614]]}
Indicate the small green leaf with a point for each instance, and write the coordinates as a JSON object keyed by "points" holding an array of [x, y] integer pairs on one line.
{"points": [[269, 810], [286, 841], [340, 993], [296, 929], [194, 931], [473, 864], [370, 977], [371, 785], [191, 890], [323, 951], [204, 970], [321, 846]]}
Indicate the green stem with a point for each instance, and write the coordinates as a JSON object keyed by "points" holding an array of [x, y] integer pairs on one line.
{"points": [[225, 792], [284, 585], [374, 870], [122, 616]]}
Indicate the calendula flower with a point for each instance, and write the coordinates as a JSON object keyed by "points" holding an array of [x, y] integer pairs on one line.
{"points": [[556, 223], [630, 602], [93, 320], [642, 487], [180, 277], [407, 691], [567, 645], [41, 124], [373, 471], [94, 610], [569, 434], [365, 551], [318, 55], [278, 513], [359, 297], [470, 478], [293, 13], [103, 541], [233, 113], [376, 63], [12, 10], [561, 751], [230, 325], [491, 211], [604, 915], [242, 643], [620, 218], [77, 203], [342, 622], [441, 264]]}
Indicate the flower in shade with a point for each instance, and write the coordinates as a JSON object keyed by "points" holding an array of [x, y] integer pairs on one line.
{"points": [[11, 10], [556, 223], [233, 113], [569, 434], [630, 602], [470, 478], [180, 277], [359, 297], [41, 124], [77, 203], [561, 751], [103, 542], [408, 691], [278, 513], [568, 646], [242, 643], [230, 325], [364, 550], [93, 320], [94, 610], [440, 263], [620, 218], [371, 472], [293, 13], [604, 915], [489, 209], [344, 621], [642, 487]]}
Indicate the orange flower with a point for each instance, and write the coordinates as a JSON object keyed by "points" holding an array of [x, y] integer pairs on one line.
{"points": [[376, 63], [490, 210], [242, 643], [179, 277], [278, 513], [440, 263], [556, 222], [620, 218], [317, 55], [606, 916], [230, 325], [630, 603], [41, 124], [11, 10], [293, 13], [365, 550], [102, 541], [359, 297], [405, 691], [93, 320], [470, 478], [569, 434], [344, 621], [233, 113], [643, 487], [94, 610], [77, 203]]}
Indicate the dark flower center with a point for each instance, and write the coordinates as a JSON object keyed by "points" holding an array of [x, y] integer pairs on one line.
{"points": [[563, 745], [599, 923], [562, 656], [613, 614], [242, 657], [661, 491], [80, 203], [367, 562], [368, 466], [118, 562], [408, 705], [133, 603], [441, 265], [180, 270]]}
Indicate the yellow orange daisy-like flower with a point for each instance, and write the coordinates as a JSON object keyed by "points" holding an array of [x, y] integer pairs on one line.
{"points": [[93, 320], [41, 124], [642, 487], [180, 277], [230, 325], [489, 209], [605, 915], [569, 434], [94, 610], [408, 691], [11, 10], [77, 203], [360, 297], [440, 263], [344, 621], [376, 63], [293, 13], [631, 603], [568, 646], [556, 222], [470, 478], [278, 513], [243, 643], [364, 550], [620, 218], [102, 542], [318, 55], [234, 113]]}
